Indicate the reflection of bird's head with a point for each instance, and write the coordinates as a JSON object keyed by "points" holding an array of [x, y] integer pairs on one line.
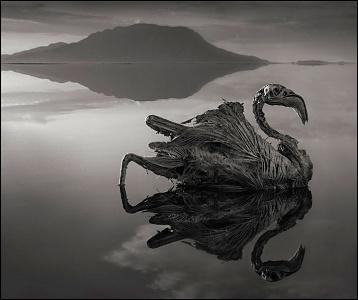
{"points": [[271, 276], [277, 270], [277, 94]]}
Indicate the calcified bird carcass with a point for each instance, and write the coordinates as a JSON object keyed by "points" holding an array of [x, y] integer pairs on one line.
{"points": [[223, 149]]}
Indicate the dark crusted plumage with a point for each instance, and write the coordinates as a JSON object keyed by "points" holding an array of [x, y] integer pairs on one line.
{"points": [[222, 148]]}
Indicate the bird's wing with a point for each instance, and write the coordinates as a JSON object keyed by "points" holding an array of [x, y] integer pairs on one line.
{"points": [[228, 128], [222, 140]]}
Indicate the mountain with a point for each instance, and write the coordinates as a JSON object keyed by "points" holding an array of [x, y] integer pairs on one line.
{"points": [[319, 62], [135, 43], [140, 82]]}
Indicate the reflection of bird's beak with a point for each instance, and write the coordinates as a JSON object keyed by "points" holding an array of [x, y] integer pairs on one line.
{"points": [[297, 259], [294, 101]]}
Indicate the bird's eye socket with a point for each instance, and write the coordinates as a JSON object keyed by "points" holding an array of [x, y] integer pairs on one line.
{"points": [[282, 148]]}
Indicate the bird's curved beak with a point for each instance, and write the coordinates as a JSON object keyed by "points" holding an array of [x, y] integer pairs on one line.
{"points": [[289, 98]]}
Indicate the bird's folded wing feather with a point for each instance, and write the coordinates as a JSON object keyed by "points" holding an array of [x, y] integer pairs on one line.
{"points": [[227, 126]]}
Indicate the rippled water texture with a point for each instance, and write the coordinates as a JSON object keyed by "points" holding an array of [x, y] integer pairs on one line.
{"points": [[64, 230]]}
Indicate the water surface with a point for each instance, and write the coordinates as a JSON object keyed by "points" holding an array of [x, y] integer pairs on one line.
{"points": [[64, 231]]}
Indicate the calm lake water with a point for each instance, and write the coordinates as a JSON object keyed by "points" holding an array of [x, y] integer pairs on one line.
{"points": [[64, 231]]}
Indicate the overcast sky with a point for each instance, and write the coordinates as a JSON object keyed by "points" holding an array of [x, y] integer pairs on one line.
{"points": [[278, 31]]}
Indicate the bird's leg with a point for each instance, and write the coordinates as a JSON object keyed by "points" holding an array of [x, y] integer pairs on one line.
{"points": [[147, 204], [126, 205], [154, 164]]}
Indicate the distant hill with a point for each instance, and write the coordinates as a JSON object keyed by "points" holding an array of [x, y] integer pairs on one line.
{"points": [[140, 82], [318, 62], [135, 43]]}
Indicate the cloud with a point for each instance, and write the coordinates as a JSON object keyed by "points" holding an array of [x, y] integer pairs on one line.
{"points": [[177, 280], [167, 281]]}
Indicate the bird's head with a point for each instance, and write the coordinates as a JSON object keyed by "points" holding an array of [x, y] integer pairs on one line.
{"points": [[277, 94]]}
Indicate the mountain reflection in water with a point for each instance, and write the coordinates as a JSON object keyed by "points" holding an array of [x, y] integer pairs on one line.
{"points": [[222, 222], [135, 81]]}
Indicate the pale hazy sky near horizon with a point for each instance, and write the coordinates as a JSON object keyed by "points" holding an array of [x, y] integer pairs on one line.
{"points": [[277, 31]]}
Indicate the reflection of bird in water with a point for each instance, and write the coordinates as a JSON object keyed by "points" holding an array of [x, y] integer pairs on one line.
{"points": [[222, 148], [222, 222]]}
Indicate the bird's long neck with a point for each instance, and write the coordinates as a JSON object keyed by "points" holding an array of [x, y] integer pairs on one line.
{"points": [[258, 104], [288, 146]]}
